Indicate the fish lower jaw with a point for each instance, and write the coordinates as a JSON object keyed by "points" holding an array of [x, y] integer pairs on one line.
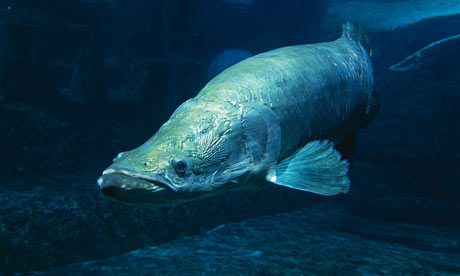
{"points": [[139, 181]]}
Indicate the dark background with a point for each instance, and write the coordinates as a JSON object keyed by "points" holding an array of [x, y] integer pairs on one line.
{"points": [[81, 81]]}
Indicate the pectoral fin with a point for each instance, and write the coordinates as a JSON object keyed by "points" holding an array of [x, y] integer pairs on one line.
{"points": [[261, 132], [315, 168]]}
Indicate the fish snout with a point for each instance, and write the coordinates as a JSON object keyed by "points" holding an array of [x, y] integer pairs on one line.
{"points": [[137, 191], [108, 186]]}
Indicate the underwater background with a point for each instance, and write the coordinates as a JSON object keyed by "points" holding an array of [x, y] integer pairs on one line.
{"points": [[81, 80]]}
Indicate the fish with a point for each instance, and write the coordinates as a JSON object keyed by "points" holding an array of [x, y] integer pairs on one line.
{"points": [[274, 118], [432, 52]]}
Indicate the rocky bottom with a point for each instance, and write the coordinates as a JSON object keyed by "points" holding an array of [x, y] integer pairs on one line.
{"points": [[323, 240]]}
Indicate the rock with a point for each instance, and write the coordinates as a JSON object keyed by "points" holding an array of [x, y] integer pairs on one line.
{"points": [[63, 218], [36, 139], [409, 209], [155, 85], [75, 223], [72, 95], [25, 67], [137, 81], [324, 240], [88, 80]]}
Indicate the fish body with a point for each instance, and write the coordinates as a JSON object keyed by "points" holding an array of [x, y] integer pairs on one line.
{"points": [[272, 118]]}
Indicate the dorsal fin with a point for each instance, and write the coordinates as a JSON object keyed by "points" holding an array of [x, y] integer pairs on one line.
{"points": [[356, 33]]}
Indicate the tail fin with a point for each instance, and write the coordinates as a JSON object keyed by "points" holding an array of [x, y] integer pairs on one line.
{"points": [[356, 33]]}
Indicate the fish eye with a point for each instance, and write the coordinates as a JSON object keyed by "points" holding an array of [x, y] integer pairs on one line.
{"points": [[179, 165]]}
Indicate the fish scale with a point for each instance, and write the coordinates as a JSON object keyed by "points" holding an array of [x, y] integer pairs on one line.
{"points": [[311, 88]]}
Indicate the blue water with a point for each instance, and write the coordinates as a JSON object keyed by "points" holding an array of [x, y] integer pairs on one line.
{"points": [[81, 80]]}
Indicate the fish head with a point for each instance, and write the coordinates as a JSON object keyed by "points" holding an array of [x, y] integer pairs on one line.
{"points": [[193, 155]]}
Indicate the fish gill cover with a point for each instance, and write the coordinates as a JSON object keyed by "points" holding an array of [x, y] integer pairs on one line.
{"points": [[81, 81]]}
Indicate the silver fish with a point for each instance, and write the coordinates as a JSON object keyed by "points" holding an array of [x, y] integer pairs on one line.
{"points": [[272, 118]]}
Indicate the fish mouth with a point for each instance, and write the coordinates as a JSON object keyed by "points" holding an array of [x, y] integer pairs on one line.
{"points": [[120, 183]]}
